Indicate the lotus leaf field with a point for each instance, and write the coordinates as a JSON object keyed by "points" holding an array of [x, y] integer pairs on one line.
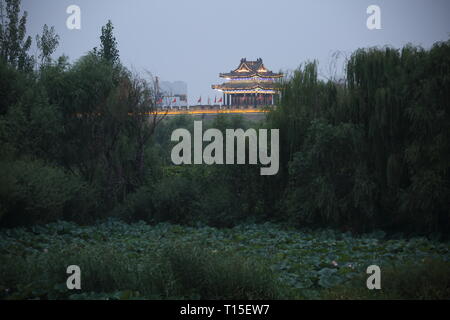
{"points": [[139, 261]]}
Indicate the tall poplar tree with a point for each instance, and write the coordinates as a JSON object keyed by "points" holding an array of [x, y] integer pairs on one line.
{"points": [[14, 45], [108, 46]]}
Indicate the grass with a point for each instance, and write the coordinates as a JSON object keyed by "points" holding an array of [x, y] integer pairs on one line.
{"points": [[265, 261], [426, 280]]}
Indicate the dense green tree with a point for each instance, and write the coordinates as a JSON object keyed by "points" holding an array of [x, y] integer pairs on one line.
{"points": [[12, 86], [108, 44], [373, 153], [14, 44]]}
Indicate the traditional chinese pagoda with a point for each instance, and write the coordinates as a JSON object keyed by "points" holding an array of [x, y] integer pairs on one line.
{"points": [[250, 84]]}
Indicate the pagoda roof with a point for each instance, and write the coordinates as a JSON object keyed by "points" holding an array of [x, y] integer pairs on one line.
{"points": [[248, 69]]}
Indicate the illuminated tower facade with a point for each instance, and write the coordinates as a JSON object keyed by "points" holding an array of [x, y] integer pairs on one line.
{"points": [[251, 84]]}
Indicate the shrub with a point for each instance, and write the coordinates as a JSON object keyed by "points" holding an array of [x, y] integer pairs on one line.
{"points": [[104, 270], [111, 273], [171, 199], [33, 193], [212, 275]]}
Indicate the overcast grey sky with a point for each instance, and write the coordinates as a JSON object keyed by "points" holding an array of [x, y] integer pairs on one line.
{"points": [[195, 40]]}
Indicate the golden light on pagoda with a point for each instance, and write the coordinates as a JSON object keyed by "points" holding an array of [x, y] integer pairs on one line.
{"points": [[250, 84]]}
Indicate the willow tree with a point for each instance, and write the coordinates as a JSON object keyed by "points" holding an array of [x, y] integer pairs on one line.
{"points": [[372, 152]]}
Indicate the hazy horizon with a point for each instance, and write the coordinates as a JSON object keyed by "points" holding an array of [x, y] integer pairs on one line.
{"points": [[193, 41]]}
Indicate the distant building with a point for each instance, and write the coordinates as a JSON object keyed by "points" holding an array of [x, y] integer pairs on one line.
{"points": [[250, 84], [173, 94]]}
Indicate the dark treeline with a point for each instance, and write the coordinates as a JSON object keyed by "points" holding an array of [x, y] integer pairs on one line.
{"points": [[73, 136], [369, 152], [373, 151]]}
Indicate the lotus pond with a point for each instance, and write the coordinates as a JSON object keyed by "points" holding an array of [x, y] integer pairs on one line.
{"points": [[305, 263]]}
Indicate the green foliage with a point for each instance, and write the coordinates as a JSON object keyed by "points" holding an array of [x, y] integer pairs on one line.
{"points": [[171, 199], [371, 151], [210, 275], [13, 44], [82, 141], [264, 261], [88, 120], [47, 43], [108, 45], [120, 261], [428, 279], [33, 126], [174, 200], [328, 180], [219, 196], [12, 86], [34, 193]]}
